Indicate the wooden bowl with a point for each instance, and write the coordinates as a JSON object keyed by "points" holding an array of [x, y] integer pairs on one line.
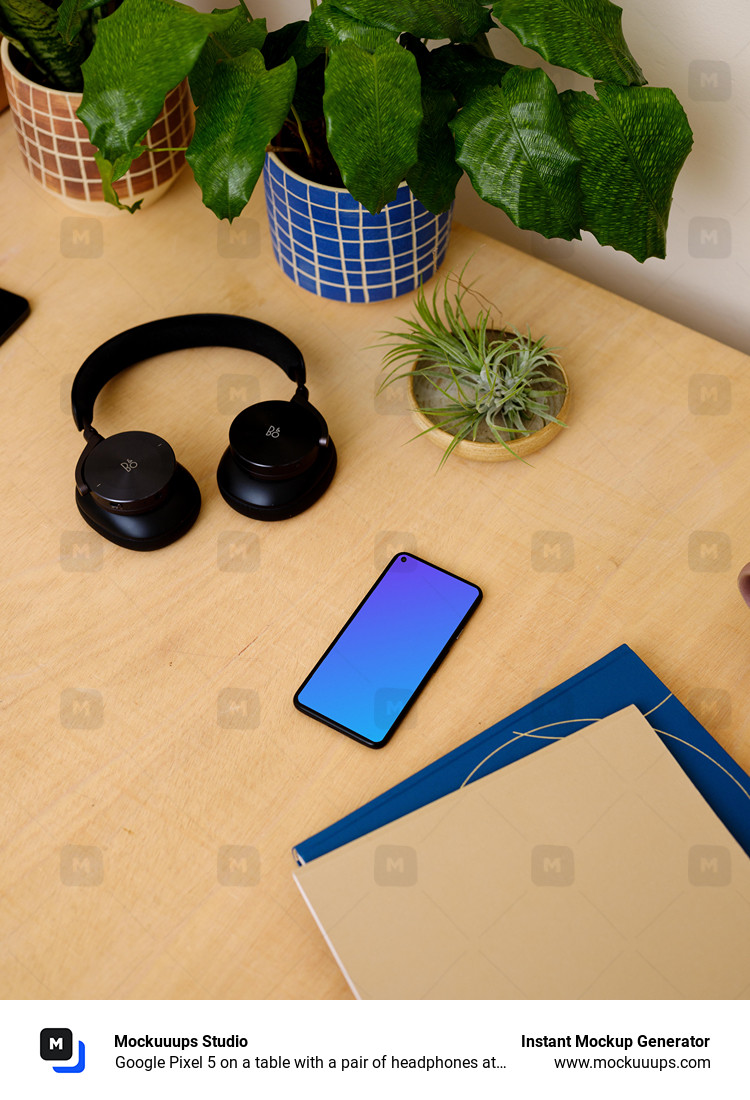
{"points": [[479, 451]]}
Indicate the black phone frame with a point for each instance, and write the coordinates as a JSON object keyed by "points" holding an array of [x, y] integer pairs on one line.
{"points": [[325, 719], [18, 309]]}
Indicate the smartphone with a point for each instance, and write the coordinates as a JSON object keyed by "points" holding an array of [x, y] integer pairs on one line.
{"points": [[375, 667], [13, 310]]}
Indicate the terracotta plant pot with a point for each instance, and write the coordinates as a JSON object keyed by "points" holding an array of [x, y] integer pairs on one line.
{"points": [[486, 451], [329, 244], [55, 146], [3, 93]]}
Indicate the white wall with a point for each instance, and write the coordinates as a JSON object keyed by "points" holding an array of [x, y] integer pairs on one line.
{"points": [[700, 49]]}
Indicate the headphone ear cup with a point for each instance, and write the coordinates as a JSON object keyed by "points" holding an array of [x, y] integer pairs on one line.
{"points": [[280, 460], [260, 498], [149, 530]]}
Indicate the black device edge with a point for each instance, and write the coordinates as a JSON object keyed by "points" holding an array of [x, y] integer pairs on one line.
{"points": [[416, 693], [19, 318]]}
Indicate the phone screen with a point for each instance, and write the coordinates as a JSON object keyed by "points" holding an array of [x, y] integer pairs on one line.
{"points": [[370, 674], [13, 310]]}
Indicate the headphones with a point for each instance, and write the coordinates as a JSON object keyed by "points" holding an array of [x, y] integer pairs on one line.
{"points": [[129, 486]]}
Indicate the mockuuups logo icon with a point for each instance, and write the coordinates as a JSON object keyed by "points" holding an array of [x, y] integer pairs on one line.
{"points": [[395, 865], [56, 1045], [552, 865]]}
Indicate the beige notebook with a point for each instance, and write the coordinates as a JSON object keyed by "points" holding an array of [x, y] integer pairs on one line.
{"points": [[593, 868]]}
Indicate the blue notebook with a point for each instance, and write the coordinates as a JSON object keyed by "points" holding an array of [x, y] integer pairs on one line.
{"points": [[614, 682]]}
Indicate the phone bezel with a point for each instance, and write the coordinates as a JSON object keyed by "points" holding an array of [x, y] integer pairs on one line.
{"points": [[332, 723], [18, 308]]}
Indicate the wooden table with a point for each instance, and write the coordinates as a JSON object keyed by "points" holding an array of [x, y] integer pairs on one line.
{"points": [[149, 735]]}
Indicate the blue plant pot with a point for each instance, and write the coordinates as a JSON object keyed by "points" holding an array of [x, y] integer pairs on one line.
{"points": [[329, 244]]}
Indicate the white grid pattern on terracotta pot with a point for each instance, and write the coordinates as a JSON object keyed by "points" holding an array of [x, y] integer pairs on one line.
{"points": [[63, 162]]}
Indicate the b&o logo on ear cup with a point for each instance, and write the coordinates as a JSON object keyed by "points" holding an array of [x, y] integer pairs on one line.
{"points": [[130, 472], [132, 491], [280, 460]]}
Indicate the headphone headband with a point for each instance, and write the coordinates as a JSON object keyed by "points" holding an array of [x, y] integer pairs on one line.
{"points": [[192, 330]]}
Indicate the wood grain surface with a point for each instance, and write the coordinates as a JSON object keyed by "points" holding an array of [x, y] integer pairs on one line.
{"points": [[149, 737]]}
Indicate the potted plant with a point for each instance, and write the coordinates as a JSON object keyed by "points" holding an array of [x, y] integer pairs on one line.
{"points": [[478, 391], [3, 93], [355, 101], [42, 51]]}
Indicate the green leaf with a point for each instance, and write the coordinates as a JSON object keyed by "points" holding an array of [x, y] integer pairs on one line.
{"points": [[31, 26], [413, 45], [481, 42], [244, 108], [331, 27], [308, 94], [434, 177], [463, 70], [583, 35], [70, 16], [516, 148], [291, 41], [110, 173], [633, 142], [245, 33], [142, 51], [459, 20], [373, 112]]}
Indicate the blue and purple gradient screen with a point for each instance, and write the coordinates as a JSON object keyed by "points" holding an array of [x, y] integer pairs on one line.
{"points": [[382, 656]]}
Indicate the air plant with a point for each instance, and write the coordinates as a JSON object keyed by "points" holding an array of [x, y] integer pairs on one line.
{"points": [[491, 381]]}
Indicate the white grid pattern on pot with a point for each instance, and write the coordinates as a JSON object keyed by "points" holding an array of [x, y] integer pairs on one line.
{"points": [[328, 243], [55, 145]]}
